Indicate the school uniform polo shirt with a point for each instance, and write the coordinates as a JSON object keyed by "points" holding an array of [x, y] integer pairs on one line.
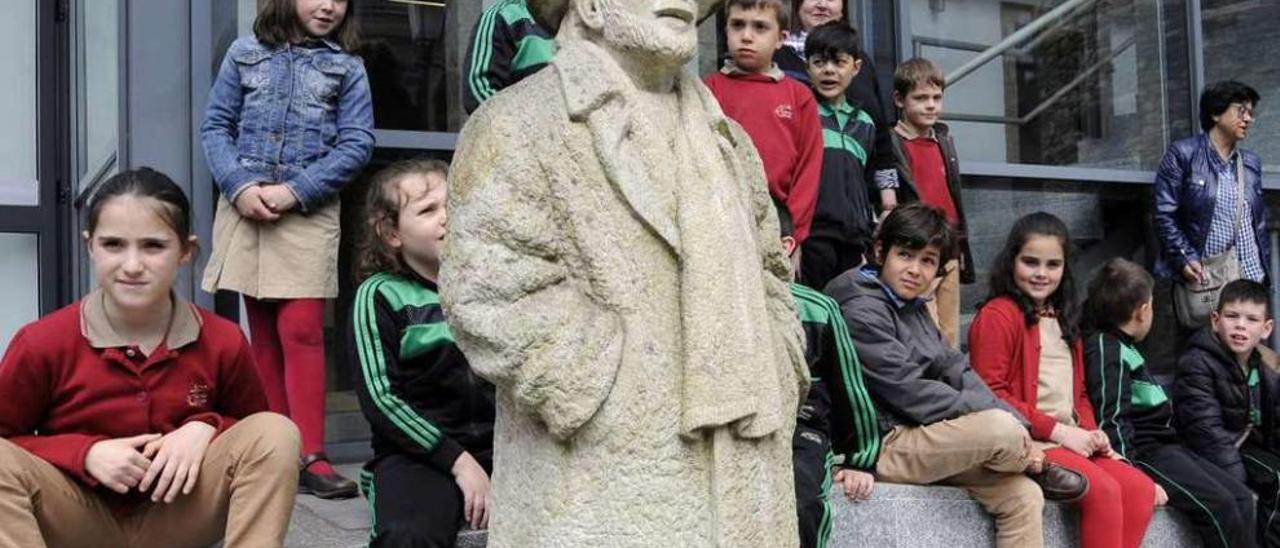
{"points": [[68, 381], [780, 115], [930, 170]]}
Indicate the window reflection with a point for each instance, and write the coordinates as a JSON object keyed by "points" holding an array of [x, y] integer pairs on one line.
{"points": [[1090, 88], [404, 52], [1239, 41]]}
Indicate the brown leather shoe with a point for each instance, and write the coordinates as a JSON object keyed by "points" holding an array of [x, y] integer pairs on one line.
{"points": [[1061, 484], [325, 486]]}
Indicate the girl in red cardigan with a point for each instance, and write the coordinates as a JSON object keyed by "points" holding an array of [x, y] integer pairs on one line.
{"points": [[1025, 344]]}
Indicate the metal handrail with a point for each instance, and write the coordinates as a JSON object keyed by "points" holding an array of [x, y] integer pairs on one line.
{"points": [[1057, 95], [1016, 38], [95, 178]]}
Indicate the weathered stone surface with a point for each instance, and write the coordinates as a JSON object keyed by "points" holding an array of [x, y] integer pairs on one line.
{"points": [[614, 268], [912, 516], [896, 516]]}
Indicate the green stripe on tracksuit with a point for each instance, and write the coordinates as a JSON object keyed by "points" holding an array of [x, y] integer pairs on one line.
{"points": [[371, 496], [824, 532], [373, 368], [842, 363], [507, 45]]}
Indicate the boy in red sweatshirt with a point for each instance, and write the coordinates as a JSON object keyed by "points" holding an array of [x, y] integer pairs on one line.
{"points": [[778, 112]]}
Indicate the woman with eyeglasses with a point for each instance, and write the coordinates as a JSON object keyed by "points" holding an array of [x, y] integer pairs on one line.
{"points": [[1208, 206]]}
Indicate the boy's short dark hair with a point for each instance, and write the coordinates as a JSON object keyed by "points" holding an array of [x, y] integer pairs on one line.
{"points": [[1247, 291], [1217, 98], [915, 72], [830, 39], [786, 225], [1116, 290], [916, 226], [779, 10]]}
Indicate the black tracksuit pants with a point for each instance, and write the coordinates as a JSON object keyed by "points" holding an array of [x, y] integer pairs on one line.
{"points": [[822, 259], [1262, 469], [1220, 507], [812, 460], [411, 503]]}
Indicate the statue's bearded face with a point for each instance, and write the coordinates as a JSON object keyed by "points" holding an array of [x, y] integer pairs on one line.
{"points": [[661, 29]]}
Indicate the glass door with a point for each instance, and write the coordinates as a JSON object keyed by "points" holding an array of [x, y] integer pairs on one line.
{"points": [[30, 243]]}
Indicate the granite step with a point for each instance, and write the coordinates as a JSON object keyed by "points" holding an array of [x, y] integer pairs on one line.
{"points": [[897, 516], [913, 516]]}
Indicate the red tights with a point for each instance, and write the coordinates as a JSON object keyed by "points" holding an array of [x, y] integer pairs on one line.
{"points": [[1114, 513], [287, 337]]}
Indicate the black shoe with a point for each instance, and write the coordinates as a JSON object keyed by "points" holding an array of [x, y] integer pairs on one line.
{"points": [[1061, 484], [325, 486]]}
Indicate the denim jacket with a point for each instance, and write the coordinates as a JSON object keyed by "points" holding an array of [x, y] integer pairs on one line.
{"points": [[1186, 191], [298, 115]]}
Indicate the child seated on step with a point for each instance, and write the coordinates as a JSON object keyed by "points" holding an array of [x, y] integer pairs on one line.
{"points": [[431, 415]]}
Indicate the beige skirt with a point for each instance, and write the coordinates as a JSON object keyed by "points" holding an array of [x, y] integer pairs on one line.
{"points": [[295, 257]]}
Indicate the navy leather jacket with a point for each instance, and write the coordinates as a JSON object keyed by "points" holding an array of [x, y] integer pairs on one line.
{"points": [[1185, 195]]}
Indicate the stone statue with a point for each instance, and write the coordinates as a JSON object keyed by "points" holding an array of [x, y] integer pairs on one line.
{"points": [[613, 265]]}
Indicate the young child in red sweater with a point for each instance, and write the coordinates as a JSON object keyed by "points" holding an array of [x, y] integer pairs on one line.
{"points": [[1025, 343], [132, 418], [778, 112]]}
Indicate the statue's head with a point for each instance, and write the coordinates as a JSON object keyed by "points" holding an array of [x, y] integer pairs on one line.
{"points": [[662, 30]]}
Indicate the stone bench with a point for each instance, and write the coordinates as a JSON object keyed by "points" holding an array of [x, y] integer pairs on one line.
{"points": [[911, 516], [906, 516]]}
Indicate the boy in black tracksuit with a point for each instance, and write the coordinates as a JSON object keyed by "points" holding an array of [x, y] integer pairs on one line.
{"points": [[1227, 398], [431, 416], [507, 45], [844, 217], [837, 416], [1137, 415], [425, 406]]}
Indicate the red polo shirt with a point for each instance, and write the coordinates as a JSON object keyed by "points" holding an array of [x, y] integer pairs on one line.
{"points": [[68, 381], [781, 117], [930, 171]]}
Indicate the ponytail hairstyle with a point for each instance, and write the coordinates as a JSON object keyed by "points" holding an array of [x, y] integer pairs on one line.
{"points": [[172, 204]]}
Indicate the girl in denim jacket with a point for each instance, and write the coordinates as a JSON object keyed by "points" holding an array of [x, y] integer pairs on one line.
{"points": [[289, 123]]}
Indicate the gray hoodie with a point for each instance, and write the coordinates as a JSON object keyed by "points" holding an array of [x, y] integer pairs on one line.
{"points": [[913, 376]]}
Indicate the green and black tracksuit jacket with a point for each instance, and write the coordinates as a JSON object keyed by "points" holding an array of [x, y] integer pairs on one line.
{"points": [[838, 405], [506, 46], [416, 389], [1132, 408], [837, 414], [846, 192]]}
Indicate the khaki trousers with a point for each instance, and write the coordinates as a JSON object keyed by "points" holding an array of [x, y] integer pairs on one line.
{"points": [[945, 304], [246, 487], [985, 453]]}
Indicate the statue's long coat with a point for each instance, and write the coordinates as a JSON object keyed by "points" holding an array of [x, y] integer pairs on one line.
{"points": [[561, 281]]}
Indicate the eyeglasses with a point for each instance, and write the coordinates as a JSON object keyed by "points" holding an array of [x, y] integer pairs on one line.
{"points": [[1242, 110]]}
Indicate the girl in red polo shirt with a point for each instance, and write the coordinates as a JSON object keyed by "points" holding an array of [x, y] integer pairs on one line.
{"points": [[132, 418], [1025, 344]]}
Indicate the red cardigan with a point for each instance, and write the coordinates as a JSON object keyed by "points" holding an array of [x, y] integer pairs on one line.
{"points": [[1005, 351]]}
